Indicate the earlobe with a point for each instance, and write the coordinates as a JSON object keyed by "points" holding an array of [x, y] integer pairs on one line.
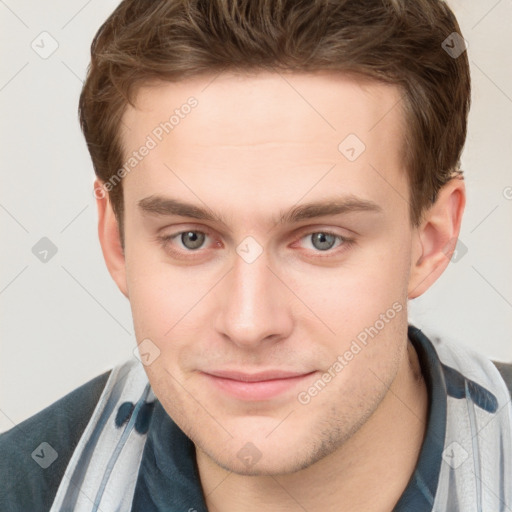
{"points": [[110, 240], [436, 237]]}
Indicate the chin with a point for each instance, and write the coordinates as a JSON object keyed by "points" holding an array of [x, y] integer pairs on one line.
{"points": [[266, 466], [264, 458]]}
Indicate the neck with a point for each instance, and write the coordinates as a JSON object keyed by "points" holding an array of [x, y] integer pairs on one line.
{"points": [[368, 472]]}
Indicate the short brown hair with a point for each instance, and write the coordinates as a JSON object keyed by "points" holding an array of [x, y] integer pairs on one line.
{"points": [[395, 41]]}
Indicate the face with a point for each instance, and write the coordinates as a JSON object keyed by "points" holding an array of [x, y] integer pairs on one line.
{"points": [[268, 318]]}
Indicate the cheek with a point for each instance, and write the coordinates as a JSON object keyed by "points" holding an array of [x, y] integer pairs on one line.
{"points": [[158, 291], [155, 294], [169, 305], [354, 296]]}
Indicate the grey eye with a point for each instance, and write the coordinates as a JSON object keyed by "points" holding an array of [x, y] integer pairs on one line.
{"points": [[323, 241], [192, 239]]}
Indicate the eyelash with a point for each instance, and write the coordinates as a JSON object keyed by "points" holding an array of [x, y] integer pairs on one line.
{"points": [[345, 244]]}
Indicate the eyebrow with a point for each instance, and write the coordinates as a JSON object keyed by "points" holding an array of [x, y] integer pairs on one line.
{"points": [[167, 206]]}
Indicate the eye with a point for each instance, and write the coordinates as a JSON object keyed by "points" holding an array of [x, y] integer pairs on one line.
{"points": [[190, 240], [324, 241]]}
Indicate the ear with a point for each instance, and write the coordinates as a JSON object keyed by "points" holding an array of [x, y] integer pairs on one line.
{"points": [[108, 232], [435, 239]]}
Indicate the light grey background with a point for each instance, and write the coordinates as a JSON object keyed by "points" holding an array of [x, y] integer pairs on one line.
{"points": [[64, 321]]}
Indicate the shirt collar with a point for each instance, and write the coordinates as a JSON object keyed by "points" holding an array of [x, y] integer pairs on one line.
{"points": [[420, 492]]}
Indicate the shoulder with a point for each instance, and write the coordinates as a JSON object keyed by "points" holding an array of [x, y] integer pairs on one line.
{"points": [[35, 453], [506, 372]]}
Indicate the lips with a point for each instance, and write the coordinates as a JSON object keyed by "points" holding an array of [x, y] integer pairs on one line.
{"points": [[258, 386]]}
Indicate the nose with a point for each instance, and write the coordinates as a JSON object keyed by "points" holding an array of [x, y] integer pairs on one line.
{"points": [[255, 306]]}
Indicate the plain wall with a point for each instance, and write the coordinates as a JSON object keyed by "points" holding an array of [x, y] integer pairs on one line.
{"points": [[64, 321]]}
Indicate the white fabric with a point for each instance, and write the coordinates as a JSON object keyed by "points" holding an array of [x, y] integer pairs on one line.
{"points": [[110, 462], [485, 439]]}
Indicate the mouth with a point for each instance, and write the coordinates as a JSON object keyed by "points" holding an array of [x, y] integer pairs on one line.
{"points": [[256, 386]]}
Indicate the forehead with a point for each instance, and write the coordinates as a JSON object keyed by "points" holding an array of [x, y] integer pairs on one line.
{"points": [[249, 104], [272, 130]]}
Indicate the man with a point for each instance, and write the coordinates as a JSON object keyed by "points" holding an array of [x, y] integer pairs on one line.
{"points": [[275, 180]]}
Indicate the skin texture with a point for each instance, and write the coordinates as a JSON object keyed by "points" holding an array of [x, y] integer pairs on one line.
{"points": [[256, 146]]}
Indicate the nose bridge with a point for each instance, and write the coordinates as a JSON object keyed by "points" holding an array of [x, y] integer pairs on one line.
{"points": [[253, 306]]}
